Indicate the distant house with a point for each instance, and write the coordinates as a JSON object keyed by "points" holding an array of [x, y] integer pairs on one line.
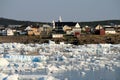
{"points": [[77, 29], [83, 29], [10, 32], [99, 30], [20, 31], [67, 29], [45, 31], [7, 32], [86, 29], [32, 30], [110, 30], [62, 27], [70, 28]]}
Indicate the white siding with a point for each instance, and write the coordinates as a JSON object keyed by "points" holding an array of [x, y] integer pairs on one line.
{"points": [[110, 32], [57, 36], [10, 32]]}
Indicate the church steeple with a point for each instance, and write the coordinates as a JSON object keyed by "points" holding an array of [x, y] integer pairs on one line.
{"points": [[60, 19], [53, 24]]}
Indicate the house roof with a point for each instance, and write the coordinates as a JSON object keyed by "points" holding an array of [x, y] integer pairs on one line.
{"points": [[65, 23], [28, 28], [77, 25], [46, 25], [109, 29], [99, 27]]}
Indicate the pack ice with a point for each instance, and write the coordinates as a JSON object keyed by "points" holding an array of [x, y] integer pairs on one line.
{"points": [[51, 61]]}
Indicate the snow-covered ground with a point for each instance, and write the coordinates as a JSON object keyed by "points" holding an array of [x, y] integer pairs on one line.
{"points": [[59, 61]]}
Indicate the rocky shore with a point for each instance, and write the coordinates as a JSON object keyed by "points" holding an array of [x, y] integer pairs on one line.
{"points": [[83, 39]]}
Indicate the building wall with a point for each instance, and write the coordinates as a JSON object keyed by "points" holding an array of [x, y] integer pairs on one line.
{"points": [[76, 30], [57, 36], [65, 28], [110, 31], [34, 31], [102, 32], [69, 32], [9, 32]]}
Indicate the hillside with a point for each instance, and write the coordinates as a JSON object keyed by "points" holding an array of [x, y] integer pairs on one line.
{"points": [[5, 21], [105, 22]]}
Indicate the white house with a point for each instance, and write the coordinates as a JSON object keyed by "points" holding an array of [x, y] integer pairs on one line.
{"points": [[8, 32], [76, 29], [110, 30]]}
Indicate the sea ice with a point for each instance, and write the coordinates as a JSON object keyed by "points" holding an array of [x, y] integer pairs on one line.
{"points": [[51, 61]]}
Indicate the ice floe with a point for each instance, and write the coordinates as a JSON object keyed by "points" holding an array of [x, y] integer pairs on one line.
{"points": [[51, 61]]}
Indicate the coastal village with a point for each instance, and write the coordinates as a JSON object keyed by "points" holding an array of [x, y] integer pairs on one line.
{"points": [[59, 40], [59, 29], [85, 52]]}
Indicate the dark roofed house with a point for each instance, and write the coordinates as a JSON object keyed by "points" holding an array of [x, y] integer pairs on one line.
{"points": [[59, 28], [65, 23], [60, 25], [99, 30]]}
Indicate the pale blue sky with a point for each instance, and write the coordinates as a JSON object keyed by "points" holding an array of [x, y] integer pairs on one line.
{"points": [[70, 10]]}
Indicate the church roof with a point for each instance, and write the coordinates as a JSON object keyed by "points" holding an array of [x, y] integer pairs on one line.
{"points": [[65, 23]]}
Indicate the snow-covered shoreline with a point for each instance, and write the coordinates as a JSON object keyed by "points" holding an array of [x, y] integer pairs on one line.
{"points": [[59, 61]]}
